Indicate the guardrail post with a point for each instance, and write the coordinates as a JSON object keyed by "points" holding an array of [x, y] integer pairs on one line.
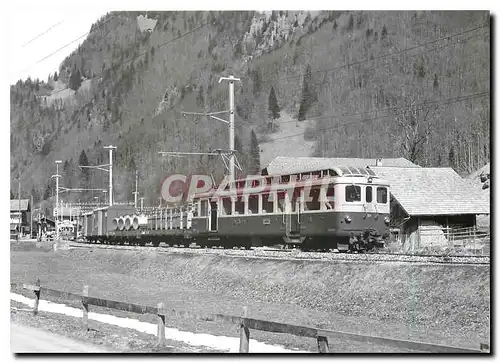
{"points": [[244, 334], [37, 297], [85, 307], [161, 326], [322, 344]]}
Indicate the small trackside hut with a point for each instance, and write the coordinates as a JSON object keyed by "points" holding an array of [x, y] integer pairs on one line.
{"points": [[432, 207]]}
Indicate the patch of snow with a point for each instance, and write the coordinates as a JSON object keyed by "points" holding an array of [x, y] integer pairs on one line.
{"points": [[288, 141], [230, 344], [145, 24]]}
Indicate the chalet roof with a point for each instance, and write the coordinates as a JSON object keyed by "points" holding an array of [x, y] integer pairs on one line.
{"points": [[290, 165], [433, 191], [19, 205]]}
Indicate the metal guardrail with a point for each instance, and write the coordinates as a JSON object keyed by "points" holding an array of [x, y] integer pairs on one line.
{"points": [[245, 323]]}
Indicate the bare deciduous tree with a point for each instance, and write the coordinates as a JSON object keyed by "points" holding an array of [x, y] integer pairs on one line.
{"points": [[415, 125]]}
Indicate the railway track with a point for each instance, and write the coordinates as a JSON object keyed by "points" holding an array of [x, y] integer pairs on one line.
{"points": [[292, 254]]}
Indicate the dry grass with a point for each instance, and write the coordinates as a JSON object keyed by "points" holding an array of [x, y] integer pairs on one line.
{"points": [[443, 304]]}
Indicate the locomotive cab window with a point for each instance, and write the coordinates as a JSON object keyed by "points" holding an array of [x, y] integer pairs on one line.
{"points": [[353, 193], [204, 208], [330, 196], [381, 195], [369, 196]]}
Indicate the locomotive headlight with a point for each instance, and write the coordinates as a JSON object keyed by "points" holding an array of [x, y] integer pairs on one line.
{"points": [[348, 219], [387, 220]]}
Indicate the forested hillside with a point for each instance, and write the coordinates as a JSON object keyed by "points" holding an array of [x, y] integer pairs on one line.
{"points": [[353, 84]]}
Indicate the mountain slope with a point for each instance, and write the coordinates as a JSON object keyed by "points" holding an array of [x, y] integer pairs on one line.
{"points": [[361, 82]]}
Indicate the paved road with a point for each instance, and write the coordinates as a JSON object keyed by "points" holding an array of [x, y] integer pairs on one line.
{"points": [[25, 339]]}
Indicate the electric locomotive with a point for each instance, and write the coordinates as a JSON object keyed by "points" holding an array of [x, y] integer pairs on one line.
{"points": [[343, 208]]}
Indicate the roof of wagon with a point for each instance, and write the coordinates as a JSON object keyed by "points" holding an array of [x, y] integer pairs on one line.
{"points": [[291, 165]]}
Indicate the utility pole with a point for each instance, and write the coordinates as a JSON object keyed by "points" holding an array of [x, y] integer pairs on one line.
{"points": [[225, 154], [136, 185], [110, 147], [103, 168], [19, 204], [57, 176], [31, 218], [231, 80]]}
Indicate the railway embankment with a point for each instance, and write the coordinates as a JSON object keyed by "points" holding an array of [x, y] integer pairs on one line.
{"points": [[445, 303]]}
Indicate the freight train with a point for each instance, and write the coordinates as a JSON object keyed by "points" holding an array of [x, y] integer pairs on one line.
{"points": [[343, 208]]}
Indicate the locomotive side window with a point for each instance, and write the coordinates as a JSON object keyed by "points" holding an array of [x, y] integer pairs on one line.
{"points": [[204, 208], [253, 204], [267, 203], [312, 200], [353, 193], [239, 205], [281, 202], [381, 195], [226, 206], [369, 196]]}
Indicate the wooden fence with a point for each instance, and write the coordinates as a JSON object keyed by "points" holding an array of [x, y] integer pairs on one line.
{"points": [[245, 323]]}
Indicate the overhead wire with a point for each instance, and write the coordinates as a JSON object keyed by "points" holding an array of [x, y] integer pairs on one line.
{"points": [[422, 105], [41, 34], [413, 55], [326, 70], [381, 56], [67, 45], [143, 53]]}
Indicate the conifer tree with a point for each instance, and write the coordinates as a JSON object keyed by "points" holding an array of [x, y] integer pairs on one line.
{"points": [[254, 167], [383, 34], [308, 96], [240, 153], [451, 157], [350, 24], [84, 174], [274, 108], [75, 80], [34, 194]]}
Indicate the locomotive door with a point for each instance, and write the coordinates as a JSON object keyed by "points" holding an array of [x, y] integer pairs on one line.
{"points": [[292, 216], [214, 217], [370, 200]]}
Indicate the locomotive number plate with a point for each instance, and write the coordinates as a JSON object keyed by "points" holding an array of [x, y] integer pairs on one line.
{"points": [[266, 221]]}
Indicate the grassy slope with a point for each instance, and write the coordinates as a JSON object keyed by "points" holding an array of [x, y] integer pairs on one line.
{"points": [[446, 304]]}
